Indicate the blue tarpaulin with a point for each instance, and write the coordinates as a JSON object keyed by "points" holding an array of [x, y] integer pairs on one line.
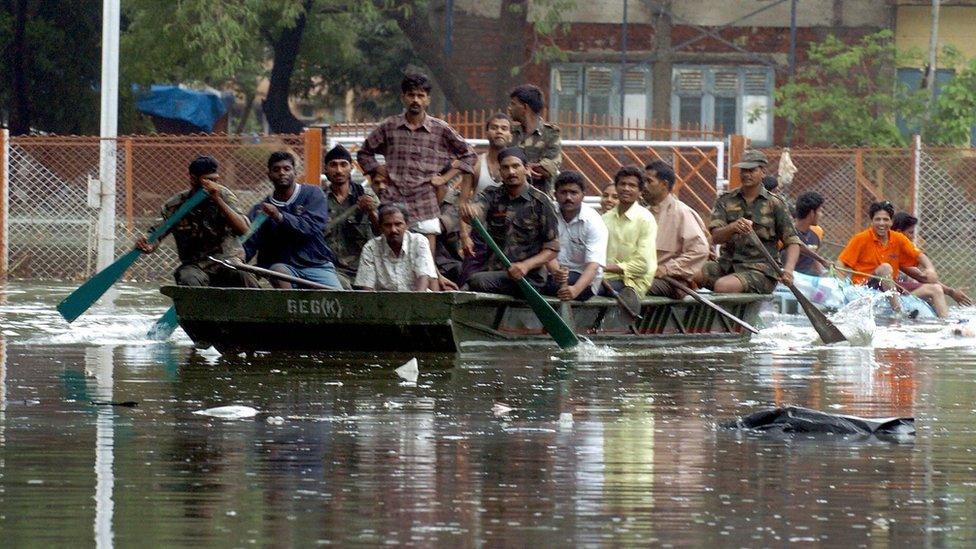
{"points": [[200, 108]]}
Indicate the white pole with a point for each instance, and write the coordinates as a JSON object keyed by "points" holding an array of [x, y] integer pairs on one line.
{"points": [[917, 145], [108, 133], [4, 204]]}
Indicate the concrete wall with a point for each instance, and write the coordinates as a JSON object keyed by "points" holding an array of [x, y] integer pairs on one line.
{"points": [[957, 27]]}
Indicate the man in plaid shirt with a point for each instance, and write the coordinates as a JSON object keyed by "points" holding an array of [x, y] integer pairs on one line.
{"points": [[417, 148]]}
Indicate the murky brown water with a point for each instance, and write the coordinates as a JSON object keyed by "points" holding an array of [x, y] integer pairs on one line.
{"points": [[359, 457]]}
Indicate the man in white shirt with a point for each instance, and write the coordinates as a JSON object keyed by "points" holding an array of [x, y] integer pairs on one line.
{"points": [[577, 271], [397, 261]]}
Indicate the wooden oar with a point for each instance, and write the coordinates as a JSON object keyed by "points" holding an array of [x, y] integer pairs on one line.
{"points": [[708, 303], [824, 327], [268, 273], [166, 325], [88, 293], [558, 330]]}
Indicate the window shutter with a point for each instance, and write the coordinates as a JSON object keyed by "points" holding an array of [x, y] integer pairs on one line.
{"points": [[757, 83], [598, 81], [726, 82], [689, 81]]}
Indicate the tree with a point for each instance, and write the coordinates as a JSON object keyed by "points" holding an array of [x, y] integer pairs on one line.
{"points": [[53, 87], [954, 115], [848, 95]]}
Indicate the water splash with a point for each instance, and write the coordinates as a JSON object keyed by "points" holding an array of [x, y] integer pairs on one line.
{"points": [[856, 320]]}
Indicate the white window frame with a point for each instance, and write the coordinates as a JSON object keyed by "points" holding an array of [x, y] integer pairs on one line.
{"points": [[708, 94]]}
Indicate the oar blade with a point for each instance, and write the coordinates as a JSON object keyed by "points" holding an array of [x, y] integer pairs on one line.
{"points": [[88, 293], [828, 332], [165, 326], [561, 333]]}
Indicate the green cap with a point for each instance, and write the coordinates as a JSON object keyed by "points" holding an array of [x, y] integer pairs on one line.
{"points": [[751, 159]]}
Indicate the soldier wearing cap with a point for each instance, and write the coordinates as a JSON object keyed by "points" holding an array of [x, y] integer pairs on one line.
{"points": [[353, 219], [741, 267]]}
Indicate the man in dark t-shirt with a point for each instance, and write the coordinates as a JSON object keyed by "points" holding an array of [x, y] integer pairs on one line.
{"points": [[808, 209]]}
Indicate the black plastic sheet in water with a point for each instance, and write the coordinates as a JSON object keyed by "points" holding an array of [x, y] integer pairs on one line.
{"points": [[790, 420]]}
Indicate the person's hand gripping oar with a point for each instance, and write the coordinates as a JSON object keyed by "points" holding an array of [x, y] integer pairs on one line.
{"points": [[166, 325]]}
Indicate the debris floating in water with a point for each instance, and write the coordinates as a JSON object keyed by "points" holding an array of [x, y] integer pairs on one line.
{"points": [[275, 420], [500, 409], [409, 371], [234, 411], [565, 420]]}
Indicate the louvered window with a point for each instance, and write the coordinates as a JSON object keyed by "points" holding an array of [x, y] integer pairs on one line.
{"points": [[587, 90], [735, 99]]}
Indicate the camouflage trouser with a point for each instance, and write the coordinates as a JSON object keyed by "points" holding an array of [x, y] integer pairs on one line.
{"points": [[753, 281], [209, 273]]}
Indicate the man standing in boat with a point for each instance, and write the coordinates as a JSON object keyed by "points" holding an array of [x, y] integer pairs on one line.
{"points": [[292, 240], [416, 147], [521, 219], [631, 251], [352, 213], [210, 229], [398, 260], [682, 247], [539, 139], [577, 272], [741, 267]]}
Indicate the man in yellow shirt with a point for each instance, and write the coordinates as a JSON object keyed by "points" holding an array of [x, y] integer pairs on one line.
{"points": [[631, 249]]}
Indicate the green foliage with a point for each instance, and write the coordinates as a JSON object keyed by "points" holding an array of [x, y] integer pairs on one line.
{"points": [[954, 114], [848, 95], [63, 64]]}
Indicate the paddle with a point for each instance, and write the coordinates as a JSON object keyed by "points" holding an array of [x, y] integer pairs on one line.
{"points": [[271, 274], [560, 332], [88, 293], [824, 327], [628, 302], [166, 325], [708, 303]]}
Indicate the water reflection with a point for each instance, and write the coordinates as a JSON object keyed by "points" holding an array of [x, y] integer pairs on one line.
{"points": [[359, 457]]}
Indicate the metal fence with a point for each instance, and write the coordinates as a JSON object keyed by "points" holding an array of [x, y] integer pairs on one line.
{"points": [[52, 211]]}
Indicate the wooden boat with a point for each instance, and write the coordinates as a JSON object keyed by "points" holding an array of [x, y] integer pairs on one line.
{"points": [[323, 320]]}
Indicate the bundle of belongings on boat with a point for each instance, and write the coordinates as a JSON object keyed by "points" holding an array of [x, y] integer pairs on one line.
{"points": [[789, 420]]}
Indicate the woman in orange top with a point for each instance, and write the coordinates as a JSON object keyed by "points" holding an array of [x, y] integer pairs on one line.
{"points": [[881, 252]]}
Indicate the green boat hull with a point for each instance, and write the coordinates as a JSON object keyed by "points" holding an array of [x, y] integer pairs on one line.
{"points": [[321, 320]]}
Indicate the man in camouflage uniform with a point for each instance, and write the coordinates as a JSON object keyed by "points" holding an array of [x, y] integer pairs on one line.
{"points": [[522, 221], [352, 214], [539, 139], [210, 229], [742, 267]]}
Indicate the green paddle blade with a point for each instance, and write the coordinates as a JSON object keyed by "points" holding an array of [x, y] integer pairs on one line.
{"points": [[165, 326], [88, 293], [553, 323]]}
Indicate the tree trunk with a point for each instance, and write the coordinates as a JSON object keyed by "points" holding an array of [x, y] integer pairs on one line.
{"points": [[20, 101], [513, 21], [428, 44], [662, 66], [285, 48]]}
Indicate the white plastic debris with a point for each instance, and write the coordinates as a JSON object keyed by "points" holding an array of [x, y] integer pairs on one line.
{"points": [[275, 420], [565, 420], [409, 371], [234, 411], [500, 409]]}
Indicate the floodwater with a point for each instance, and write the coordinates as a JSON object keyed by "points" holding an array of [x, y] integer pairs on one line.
{"points": [[601, 447]]}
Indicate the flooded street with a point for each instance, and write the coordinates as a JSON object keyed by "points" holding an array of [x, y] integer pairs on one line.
{"points": [[601, 446]]}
